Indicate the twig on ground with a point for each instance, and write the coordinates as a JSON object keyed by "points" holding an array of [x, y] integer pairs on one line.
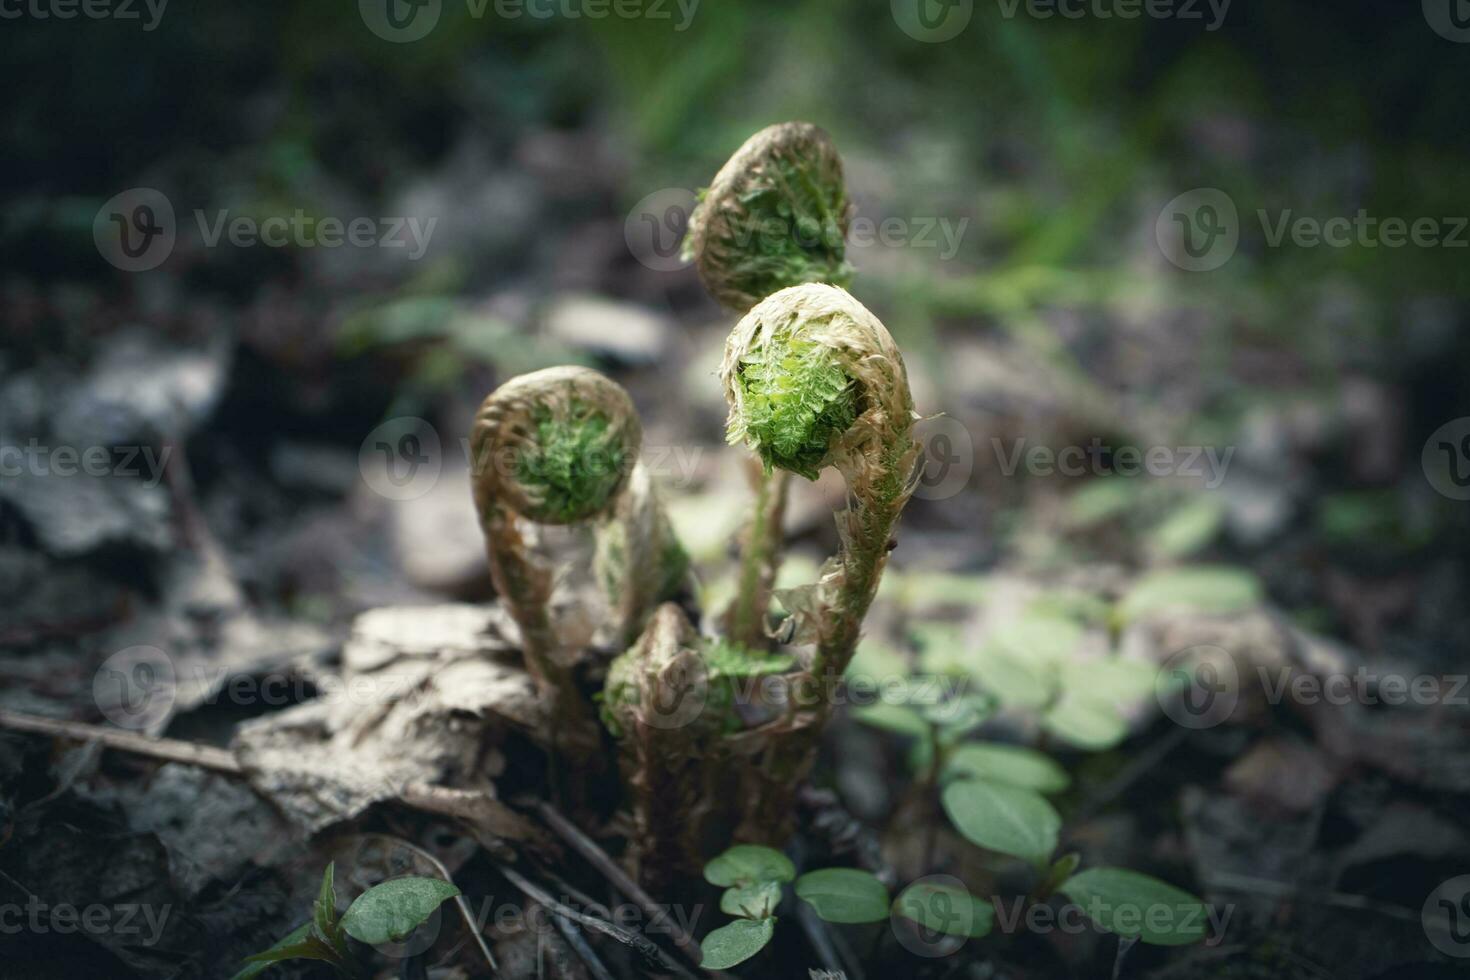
{"points": [[574, 938], [643, 945], [169, 749], [816, 934], [620, 879]]}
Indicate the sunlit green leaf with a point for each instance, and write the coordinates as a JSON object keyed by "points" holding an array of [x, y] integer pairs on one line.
{"points": [[391, 911], [749, 864], [735, 943], [844, 895], [1008, 819], [756, 901], [1013, 765], [945, 908], [1135, 905]]}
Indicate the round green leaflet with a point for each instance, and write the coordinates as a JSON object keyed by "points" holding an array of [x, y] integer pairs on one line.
{"points": [[1003, 818], [1134, 905], [389, 912], [735, 943], [945, 908], [748, 864], [844, 895]]}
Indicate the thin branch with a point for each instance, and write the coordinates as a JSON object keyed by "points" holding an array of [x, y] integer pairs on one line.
{"points": [[816, 934], [575, 939], [620, 879], [642, 944], [169, 749]]}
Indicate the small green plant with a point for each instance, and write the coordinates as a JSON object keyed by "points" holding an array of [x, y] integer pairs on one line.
{"points": [[1126, 903], [385, 913]]}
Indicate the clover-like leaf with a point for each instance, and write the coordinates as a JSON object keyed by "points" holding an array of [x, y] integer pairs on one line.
{"points": [[1137, 906], [756, 901], [898, 718], [945, 908], [735, 943], [844, 895], [1013, 765], [291, 947], [749, 864], [1008, 819], [389, 912], [1202, 588]]}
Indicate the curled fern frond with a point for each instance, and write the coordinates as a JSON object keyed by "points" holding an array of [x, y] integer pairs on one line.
{"points": [[555, 446], [814, 379], [775, 216]]}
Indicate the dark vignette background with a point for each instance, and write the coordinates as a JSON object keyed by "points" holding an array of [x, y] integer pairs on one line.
{"points": [[534, 140]]}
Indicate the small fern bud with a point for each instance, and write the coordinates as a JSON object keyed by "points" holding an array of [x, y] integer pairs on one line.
{"points": [[775, 216]]}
